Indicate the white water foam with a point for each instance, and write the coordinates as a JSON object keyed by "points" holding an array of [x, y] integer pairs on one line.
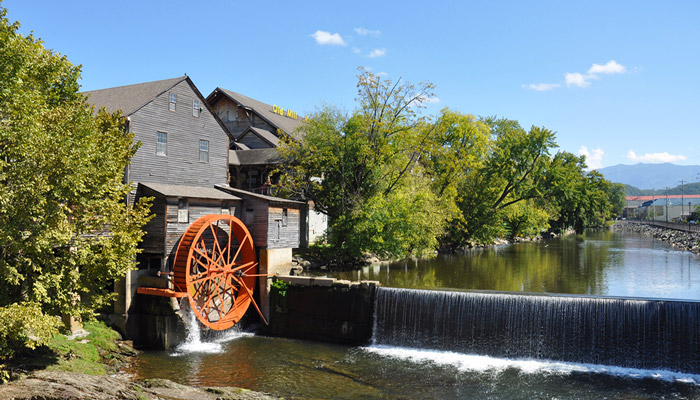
{"points": [[194, 344], [493, 365]]}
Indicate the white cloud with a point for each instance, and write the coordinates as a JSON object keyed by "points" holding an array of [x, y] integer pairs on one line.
{"points": [[382, 74], [327, 38], [542, 87], [594, 158], [655, 158], [610, 68], [578, 79], [356, 50], [431, 100], [364, 32], [376, 53]]}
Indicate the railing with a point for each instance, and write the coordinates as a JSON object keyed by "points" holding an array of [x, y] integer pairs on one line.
{"points": [[685, 227]]}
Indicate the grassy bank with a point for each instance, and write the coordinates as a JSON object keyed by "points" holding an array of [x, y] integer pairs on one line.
{"points": [[99, 352]]}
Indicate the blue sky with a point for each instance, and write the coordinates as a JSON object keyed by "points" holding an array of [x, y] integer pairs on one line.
{"points": [[617, 80]]}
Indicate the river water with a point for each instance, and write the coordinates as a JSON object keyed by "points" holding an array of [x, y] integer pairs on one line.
{"points": [[601, 263]]}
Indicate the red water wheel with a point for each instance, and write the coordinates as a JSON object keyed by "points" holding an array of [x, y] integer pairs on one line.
{"points": [[215, 265]]}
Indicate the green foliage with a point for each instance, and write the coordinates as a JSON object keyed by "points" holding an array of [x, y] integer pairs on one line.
{"points": [[366, 172], [280, 286], [24, 326], [65, 231]]}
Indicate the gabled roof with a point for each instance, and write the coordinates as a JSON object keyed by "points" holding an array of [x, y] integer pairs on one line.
{"points": [[267, 136], [131, 98], [263, 110], [254, 157], [195, 192]]}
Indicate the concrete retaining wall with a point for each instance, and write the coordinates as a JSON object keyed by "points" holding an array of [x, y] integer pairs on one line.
{"points": [[323, 309]]}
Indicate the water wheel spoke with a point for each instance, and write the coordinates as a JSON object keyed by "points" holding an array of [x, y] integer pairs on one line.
{"points": [[205, 255], [201, 277], [250, 294], [212, 294], [245, 267], [216, 246], [238, 251], [218, 272]]}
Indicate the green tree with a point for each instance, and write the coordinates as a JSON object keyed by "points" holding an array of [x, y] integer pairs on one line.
{"points": [[364, 171], [582, 199], [513, 171], [65, 230]]}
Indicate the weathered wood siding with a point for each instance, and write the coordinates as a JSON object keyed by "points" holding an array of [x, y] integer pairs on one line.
{"points": [[197, 208], [235, 117], [154, 239], [278, 235], [181, 165], [254, 141], [254, 216]]}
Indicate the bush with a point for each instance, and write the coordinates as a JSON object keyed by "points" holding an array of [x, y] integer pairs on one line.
{"points": [[24, 326]]}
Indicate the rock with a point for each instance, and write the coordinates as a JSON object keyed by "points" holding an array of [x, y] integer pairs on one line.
{"points": [[58, 385], [688, 241]]}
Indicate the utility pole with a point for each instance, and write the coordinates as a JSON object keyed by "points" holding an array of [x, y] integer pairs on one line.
{"points": [[667, 204], [682, 199]]}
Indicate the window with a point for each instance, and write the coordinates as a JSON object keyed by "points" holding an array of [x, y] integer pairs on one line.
{"points": [[195, 108], [162, 144], [204, 150], [183, 214], [285, 217], [173, 101]]}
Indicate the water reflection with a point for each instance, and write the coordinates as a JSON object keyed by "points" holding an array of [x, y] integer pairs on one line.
{"points": [[598, 263], [300, 369]]}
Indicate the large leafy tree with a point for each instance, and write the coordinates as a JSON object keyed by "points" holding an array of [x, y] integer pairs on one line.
{"points": [[65, 229], [364, 171], [497, 198]]}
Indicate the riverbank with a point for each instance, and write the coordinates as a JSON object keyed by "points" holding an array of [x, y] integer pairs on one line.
{"points": [[88, 365], [688, 241]]}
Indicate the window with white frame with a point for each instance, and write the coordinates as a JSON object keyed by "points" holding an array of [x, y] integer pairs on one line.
{"points": [[195, 108], [162, 144], [204, 150], [173, 101]]}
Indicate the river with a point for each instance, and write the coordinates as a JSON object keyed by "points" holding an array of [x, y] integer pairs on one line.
{"points": [[601, 263]]}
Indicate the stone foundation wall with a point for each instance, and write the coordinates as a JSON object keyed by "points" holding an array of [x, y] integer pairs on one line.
{"points": [[323, 309]]}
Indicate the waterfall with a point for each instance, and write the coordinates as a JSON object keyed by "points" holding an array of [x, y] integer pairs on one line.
{"points": [[193, 342], [634, 333]]}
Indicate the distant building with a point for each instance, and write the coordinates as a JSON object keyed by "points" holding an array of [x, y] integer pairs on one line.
{"points": [[661, 207]]}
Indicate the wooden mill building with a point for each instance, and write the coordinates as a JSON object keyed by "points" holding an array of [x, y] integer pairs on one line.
{"points": [[257, 128], [184, 163]]}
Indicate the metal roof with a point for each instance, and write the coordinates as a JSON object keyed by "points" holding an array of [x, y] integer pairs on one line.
{"points": [[254, 157], [265, 135], [188, 191], [130, 98], [245, 193], [263, 110]]}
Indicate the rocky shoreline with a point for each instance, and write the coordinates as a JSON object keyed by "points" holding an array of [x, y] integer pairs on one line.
{"points": [[688, 241], [59, 385]]}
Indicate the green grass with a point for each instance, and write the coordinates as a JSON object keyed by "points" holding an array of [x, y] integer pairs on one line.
{"points": [[95, 354]]}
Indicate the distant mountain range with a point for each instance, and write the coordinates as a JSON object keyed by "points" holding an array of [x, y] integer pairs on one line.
{"points": [[645, 177]]}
